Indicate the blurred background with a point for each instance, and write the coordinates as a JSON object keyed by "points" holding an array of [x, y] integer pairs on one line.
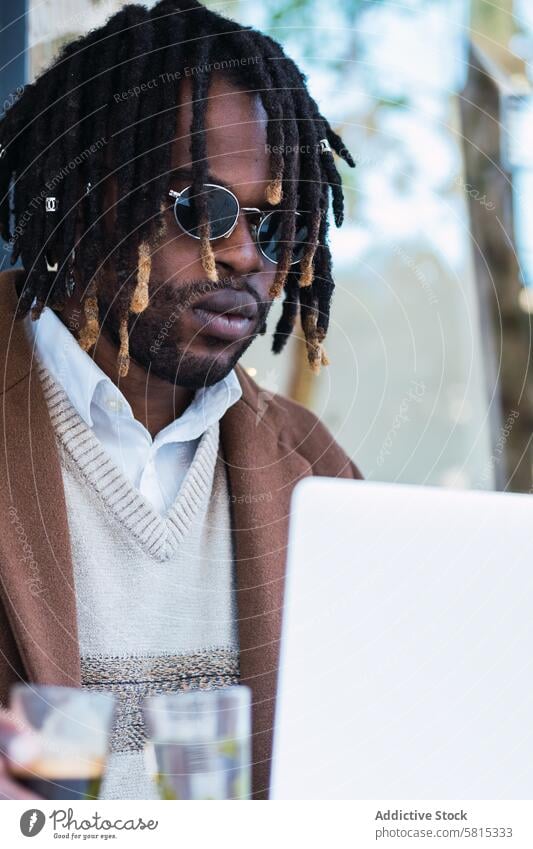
{"points": [[430, 379]]}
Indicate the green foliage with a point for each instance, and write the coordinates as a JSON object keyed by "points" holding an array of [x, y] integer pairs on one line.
{"points": [[306, 22], [305, 11]]}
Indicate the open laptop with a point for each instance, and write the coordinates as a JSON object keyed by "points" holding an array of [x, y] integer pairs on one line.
{"points": [[407, 645]]}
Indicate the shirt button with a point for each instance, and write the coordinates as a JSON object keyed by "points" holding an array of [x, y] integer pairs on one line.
{"points": [[115, 405]]}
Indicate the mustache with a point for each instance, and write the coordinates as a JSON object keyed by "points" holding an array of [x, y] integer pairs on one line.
{"points": [[165, 296], [169, 301]]}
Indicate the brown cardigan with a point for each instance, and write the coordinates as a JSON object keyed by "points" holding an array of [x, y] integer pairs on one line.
{"points": [[267, 453]]}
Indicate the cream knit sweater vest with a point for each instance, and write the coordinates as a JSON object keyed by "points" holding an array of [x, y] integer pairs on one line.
{"points": [[155, 594]]}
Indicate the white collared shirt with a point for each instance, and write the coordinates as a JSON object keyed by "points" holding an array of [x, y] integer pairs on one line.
{"points": [[156, 467]]}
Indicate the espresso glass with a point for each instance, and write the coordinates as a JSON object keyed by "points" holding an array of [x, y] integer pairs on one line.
{"points": [[200, 743], [71, 729]]}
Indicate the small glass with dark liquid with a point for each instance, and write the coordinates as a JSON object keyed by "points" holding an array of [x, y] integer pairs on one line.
{"points": [[71, 729], [200, 743], [56, 780]]}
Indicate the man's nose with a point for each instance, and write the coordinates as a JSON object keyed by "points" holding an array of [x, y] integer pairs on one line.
{"points": [[239, 254]]}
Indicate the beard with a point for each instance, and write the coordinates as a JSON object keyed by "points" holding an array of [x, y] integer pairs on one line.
{"points": [[158, 338]]}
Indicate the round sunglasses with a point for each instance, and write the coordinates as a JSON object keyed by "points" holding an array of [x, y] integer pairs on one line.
{"points": [[223, 211]]}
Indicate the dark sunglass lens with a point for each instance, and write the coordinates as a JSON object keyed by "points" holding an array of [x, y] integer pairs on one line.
{"points": [[185, 213], [269, 237], [222, 210]]}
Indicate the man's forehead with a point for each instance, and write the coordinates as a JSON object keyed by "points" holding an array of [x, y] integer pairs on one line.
{"points": [[236, 133]]}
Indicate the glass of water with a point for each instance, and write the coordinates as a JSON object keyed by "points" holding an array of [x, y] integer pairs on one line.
{"points": [[200, 743]]}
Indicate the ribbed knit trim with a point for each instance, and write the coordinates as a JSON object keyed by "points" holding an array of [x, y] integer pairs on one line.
{"points": [[132, 678], [158, 535]]}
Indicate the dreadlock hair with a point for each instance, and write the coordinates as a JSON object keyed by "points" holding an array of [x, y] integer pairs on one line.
{"points": [[73, 128]]}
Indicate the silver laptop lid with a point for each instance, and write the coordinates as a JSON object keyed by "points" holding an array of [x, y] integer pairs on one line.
{"points": [[407, 646]]}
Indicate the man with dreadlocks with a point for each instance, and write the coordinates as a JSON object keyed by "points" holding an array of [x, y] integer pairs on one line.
{"points": [[162, 183]]}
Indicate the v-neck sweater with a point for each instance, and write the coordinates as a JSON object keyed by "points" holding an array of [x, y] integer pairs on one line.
{"points": [[155, 595]]}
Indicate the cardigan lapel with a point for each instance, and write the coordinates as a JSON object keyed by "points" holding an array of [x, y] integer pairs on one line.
{"points": [[262, 474], [37, 577]]}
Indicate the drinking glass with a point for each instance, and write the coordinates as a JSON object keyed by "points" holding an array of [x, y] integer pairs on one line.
{"points": [[200, 743], [70, 727]]}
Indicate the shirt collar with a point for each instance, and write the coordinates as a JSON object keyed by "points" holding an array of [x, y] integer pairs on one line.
{"points": [[85, 384], [207, 407], [70, 366]]}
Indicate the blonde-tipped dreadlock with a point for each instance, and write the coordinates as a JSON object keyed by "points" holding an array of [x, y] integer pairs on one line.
{"points": [[314, 354], [139, 300], [207, 255], [274, 191], [279, 282], [123, 359], [307, 271], [284, 264], [89, 333], [313, 340]]}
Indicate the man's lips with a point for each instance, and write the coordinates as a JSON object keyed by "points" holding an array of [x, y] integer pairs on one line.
{"points": [[227, 314], [228, 301]]}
